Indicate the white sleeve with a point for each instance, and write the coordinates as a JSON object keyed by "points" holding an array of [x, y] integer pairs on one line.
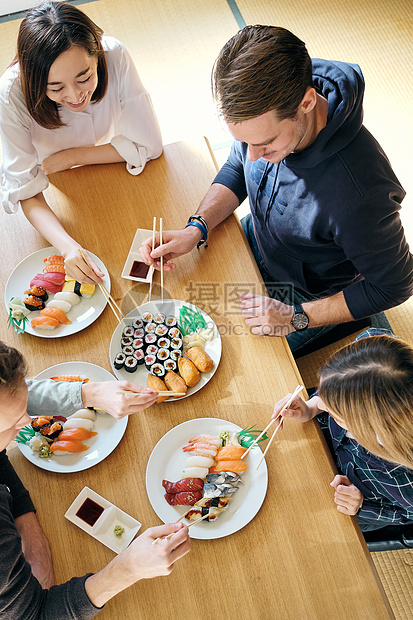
{"points": [[140, 137], [21, 177]]}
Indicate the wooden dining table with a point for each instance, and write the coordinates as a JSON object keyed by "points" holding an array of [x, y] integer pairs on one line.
{"points": [[298, 558]]}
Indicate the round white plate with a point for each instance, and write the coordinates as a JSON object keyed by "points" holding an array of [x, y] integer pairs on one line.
{"points": [[82, 315], [167, 307], [110, 431], [167, 462]]}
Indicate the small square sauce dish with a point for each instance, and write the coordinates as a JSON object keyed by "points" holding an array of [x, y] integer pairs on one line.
{"points": [[134, 268], [98, 517]]}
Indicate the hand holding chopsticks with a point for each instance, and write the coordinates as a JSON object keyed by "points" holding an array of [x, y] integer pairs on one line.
{"points": [[112, 303], [172, 533], [279, 417]]}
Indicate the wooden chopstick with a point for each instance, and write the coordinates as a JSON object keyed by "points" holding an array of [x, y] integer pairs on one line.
{"points": [[273, 420], [112, 303], [160, 243], [153, 247], [161, 393], [168, 536]]}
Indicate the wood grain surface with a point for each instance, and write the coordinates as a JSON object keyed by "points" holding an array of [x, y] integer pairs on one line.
{"points": [[298, 558]]}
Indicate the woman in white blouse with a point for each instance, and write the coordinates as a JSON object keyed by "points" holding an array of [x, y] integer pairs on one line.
{"points": [[71, 97]]}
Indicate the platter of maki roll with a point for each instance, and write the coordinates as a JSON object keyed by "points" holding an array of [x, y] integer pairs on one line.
{"points": [[56, 306], [149, 348], [107, 431]]}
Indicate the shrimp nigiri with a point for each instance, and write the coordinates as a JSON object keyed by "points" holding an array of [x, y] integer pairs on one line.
{"points": [[78, 434], [200, 449], [55, 313], [70, 378], [55, 268], [67, 447], [55, 259], [213, 440]]}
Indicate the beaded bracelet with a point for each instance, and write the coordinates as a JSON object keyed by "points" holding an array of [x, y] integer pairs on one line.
{"points": [[204, 232]]}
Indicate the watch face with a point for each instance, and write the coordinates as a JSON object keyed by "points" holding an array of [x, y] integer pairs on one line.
{"points": [[300, 321]]}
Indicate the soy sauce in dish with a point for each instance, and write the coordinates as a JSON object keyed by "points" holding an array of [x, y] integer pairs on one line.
{"points": [[89, 512], [139, 270]]}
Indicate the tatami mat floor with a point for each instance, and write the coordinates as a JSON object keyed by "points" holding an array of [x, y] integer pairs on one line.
{"points": [[174, 45]]}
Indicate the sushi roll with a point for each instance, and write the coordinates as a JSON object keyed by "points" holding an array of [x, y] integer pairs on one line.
{"points": [[161, 330], [157, 370], [137, 323], [119, 361], [139, 356], [139, 333], [170, 365], [128, 332], [159, 318], [174, 333], [150, 360], [37, 291], [33, 303], [176, 343], [150, 328], [128, 351], [59, 304], [164, 343], [170, 321], [175, 354], [147, 317], [152, 349], [162, 355], [126, 341], [131, 363], [71, 298], [138, 343], [150, 339]]}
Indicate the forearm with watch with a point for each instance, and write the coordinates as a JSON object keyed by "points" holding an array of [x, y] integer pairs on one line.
{"points": [[319, 312]]}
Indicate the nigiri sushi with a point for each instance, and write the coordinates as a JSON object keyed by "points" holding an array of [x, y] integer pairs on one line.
{"points": [[59, 304], [67, 447], [55, 268], [83, 290], [71, 298], [186, 498], [78, 423], [70, 378], [186, 484], [234, 466], [33, 303], [55, 259], [209, 439], [77, 434], [200, 461], [230, 453], [85, 414], [49, 281], [56, 314], [44, 322], [194, 472]]}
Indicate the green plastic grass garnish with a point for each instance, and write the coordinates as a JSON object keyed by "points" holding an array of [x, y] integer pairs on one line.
{"points": [[248, 435], [25, 434], [190, 320]]}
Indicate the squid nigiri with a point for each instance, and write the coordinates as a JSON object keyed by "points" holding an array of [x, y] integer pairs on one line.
{"points": [[77, 434], [55, 313], [67, 447], [44, 322]]}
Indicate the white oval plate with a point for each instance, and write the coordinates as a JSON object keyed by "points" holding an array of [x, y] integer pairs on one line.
{"points": [[82, 315], [167, 462], [167, 307], [110, 431]]}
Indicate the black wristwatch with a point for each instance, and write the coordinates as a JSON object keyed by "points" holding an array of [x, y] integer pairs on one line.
{"points": [[300, 320]]}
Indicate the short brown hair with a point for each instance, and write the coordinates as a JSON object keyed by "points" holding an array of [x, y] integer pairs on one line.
{"points": [[261, 68], [13, 368], [46, 32], [369, 384]]}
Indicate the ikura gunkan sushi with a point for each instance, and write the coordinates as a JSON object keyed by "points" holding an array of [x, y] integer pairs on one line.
{"points": [[33, 303], [37, 291]]}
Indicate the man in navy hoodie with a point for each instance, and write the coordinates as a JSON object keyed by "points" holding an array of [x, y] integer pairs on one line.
{"points": [[324, 224]]}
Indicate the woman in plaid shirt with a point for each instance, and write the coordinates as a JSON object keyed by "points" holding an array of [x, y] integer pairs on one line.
{"points": [[365, 402]]}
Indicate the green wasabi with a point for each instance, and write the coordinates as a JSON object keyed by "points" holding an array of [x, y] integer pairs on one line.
{"points": [[119, 530]]}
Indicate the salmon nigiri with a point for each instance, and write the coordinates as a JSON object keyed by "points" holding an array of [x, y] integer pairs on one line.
{"points": [[44, 322], [234, 466], [68, 446], [230, 453], [78, 434], [55, 313]]}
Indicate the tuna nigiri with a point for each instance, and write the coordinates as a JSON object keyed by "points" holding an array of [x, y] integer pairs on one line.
{"points": [[67, 447], [230, 453], [77, 434], [44, 322], [52, 282], [55, 313], [234, 466]]}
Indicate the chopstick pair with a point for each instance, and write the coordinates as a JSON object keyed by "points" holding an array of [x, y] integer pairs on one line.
{"points": [[161, 393], [153, 247], [279, 417], [112, 303], [168, 536]]}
